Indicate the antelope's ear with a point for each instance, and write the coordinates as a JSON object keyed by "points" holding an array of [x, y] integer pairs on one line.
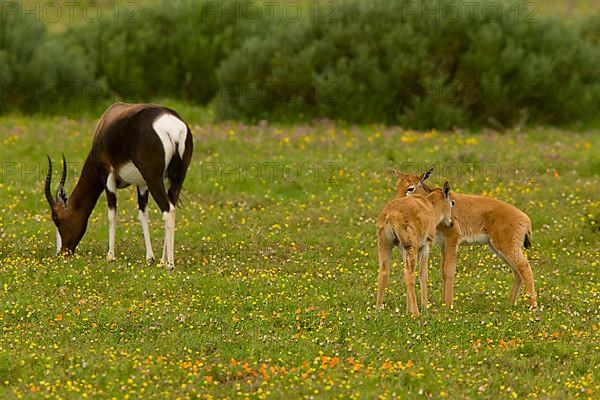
{"points": [[446, 190], [62, 197], [427, 174], [396, 173]]}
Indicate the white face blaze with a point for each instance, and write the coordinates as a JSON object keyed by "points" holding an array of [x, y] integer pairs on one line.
{"points": [[58, 242]]}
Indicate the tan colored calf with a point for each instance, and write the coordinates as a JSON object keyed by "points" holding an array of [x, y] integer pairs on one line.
{"points": [[410, 223], [479, 220]]}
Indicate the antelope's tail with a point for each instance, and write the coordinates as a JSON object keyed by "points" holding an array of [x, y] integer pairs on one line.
{"points": [[527, 239]]}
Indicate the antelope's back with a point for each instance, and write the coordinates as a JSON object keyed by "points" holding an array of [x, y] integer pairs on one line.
{"points": [[412, 210]]}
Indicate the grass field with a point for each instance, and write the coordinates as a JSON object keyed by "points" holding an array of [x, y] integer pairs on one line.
{"points": [[274, 288]]}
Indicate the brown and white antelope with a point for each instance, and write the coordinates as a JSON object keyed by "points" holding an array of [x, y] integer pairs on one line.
{"points": [[134, 144], [478, 220], [410, 223]]}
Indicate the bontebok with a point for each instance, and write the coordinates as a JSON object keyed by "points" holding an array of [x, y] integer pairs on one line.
{"points": [[134, 144]]}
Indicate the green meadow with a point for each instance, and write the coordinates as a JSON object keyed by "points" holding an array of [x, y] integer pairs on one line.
{"points": [[273, 291]]}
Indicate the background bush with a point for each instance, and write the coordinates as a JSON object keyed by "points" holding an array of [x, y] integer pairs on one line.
{"points": [[38, 70], [381, 63], [376, 61], [170, 49]]}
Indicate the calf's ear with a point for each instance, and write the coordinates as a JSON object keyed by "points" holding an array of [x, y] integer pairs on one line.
{"points": [[446, 190], [427, 174]]}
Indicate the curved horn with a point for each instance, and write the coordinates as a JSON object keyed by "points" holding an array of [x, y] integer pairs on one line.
{"points": [[48, 182], [63, 177]]}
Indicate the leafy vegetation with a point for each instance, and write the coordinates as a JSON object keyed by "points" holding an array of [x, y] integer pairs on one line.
{"points": [[274, 288], [435, 64], [495, 64], [32, 77]]}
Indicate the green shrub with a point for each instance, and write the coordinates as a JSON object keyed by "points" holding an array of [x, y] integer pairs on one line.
{"points": [[170, 49], [378, 62], [37, 70], [396, 62]]}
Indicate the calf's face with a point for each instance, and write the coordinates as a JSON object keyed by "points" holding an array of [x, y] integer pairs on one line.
{"points": [[409, 184], [447, 205]]}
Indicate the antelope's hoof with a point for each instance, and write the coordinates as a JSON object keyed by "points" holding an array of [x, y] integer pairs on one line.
{"points": [[150, 260], [169, 265], [110, 257]]}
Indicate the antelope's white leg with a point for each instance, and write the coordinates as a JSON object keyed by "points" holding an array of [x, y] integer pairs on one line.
{"points": [[164, 253], [111, 190], [143, 217], [112, 216], [169, 218]]}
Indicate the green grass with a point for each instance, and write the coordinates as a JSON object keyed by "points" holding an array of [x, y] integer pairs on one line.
{"points": [[274, 288]]}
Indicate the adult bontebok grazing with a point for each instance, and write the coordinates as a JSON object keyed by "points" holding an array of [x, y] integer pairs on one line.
{"points": [[410, 223], [134, 144], [479, 220]]}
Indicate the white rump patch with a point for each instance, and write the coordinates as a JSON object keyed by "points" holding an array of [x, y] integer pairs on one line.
{"points": [[172, 133]]}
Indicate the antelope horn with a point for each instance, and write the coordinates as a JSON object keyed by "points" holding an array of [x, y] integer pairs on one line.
{"points": [[48, 182], [63, 177]]}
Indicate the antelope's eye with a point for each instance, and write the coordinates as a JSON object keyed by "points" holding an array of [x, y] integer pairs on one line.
{"points": [[410, 189], [452, 203]]}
